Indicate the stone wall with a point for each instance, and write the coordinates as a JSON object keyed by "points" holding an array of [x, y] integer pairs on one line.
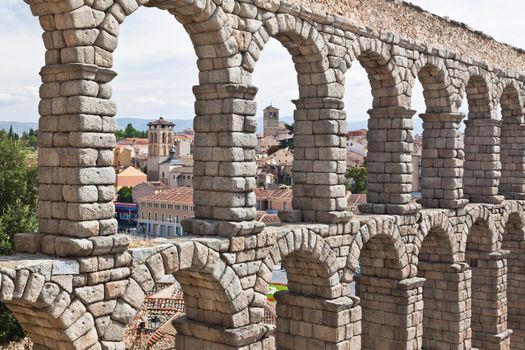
{"points": [[437, 271]]}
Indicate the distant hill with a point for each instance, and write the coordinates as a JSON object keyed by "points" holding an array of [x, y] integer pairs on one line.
{"points": [[181, 124], [18, 127], [142, 124]]}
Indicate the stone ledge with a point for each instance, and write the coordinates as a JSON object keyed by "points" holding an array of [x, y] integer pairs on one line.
{"points": [[221, 228], [443, 203], [64, 246], [234, 337], [391, 209], [45, 265]]}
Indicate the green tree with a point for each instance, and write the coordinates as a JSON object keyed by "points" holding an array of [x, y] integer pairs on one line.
{"points": [[356, 180], [130, 132], [18, 211], [125, 194]]}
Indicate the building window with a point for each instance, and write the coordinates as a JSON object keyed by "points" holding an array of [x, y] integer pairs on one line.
{"points": [[142, 215], [149, 216], [156, 217], [169, 218], [163, 218], [285, 206], [177, 219]]}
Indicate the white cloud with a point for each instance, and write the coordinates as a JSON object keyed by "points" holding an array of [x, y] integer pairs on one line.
{"points": [[157, 69], [20, 96]]}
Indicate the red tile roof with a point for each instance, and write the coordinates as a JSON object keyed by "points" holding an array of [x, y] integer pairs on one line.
{"points": [[157, 185], [268, 219], [284, 194], [176, 195], [133, 140]]}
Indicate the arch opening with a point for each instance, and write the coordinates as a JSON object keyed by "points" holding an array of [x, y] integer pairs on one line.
{"points": [[488, 269], [513, 241], [389, 134], [482, 162], [512, 148], [318, 127], [381, 286], [445, 292]]}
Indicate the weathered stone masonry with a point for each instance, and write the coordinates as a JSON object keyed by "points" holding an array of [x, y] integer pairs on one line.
{"points": [[445, 273]]}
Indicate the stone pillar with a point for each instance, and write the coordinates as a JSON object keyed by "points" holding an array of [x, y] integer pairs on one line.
{"points": [[482, 161], [389, 162], [320, 161], [192, 335], [75, 159], [392, 312], [512, 182], [305, 322], [489, 301], [447, 307], [224, 170], [516, 284], [442, 161]]}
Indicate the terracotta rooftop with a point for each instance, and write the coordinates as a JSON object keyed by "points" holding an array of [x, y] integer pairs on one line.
{"points": [[176, 195], [268, 219], [157, 185], [133, 141], [284, 194], [186, 137]]}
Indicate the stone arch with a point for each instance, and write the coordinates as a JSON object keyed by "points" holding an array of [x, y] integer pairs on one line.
{"points": [[389, 134], [478, 91], [311, 264], [307, 48], [383, 238], [482, 160], [212, 290], [437, 86], [513, 228], [437, 228], [480, 229], [380, 266], [487, 264], [319, 125], [383, 75], [436, 246], [50, 315], [314, 286], [512, 214], [512, 146]]}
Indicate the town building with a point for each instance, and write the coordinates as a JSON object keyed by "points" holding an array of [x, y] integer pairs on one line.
{"points": [[129, 177], [123, 156], [183, 144], [126, 214], [139, 145], [160, 215], [357, 142], [148, 188], [180, 177], [273, 201], [271, 121], [160, 137]]}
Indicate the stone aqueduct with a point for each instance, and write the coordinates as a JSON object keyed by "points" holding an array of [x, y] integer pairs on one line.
{"points": [[446, 273]]}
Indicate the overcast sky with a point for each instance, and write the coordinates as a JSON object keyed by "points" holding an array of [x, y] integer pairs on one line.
{"points": [[156, 62]]}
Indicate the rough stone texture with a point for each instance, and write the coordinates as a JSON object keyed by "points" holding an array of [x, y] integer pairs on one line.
{"points": [[448, 276]]}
